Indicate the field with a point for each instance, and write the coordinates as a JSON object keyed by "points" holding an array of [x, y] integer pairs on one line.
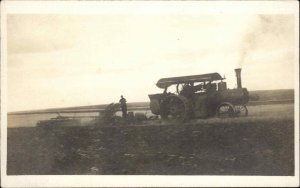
{"points": [[260, 144], [272, 95]]}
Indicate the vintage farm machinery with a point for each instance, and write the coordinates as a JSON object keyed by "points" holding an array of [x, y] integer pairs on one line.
{"points": [[58, 121], [199, 96]]}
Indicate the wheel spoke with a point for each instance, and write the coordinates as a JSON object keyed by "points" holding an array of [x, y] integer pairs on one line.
{"points": [[225, 110], [174, 108], [241, 110]]}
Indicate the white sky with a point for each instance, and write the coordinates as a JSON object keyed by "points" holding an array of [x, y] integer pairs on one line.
{"points": [[71, 60]]}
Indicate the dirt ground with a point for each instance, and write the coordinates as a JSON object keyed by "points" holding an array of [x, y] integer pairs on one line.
{"points": [[256, 145]]}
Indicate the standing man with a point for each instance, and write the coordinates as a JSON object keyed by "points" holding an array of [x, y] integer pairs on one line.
{"points": [[123, 106]]}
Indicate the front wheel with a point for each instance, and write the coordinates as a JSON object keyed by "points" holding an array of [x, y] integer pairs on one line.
{"points": [[225, 110], [241, 110]]}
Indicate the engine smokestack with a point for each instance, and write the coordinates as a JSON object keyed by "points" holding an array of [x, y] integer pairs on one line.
{"points": [[238, 77]]}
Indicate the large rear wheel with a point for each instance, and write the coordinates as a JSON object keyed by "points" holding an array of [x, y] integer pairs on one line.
{"points": [[175, 108]]}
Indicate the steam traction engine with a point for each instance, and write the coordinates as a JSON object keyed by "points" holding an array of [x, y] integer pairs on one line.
{"points": [[199, 96]]}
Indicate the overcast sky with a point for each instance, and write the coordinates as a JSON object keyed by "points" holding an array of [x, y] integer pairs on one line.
{"points": [[71, 60]]}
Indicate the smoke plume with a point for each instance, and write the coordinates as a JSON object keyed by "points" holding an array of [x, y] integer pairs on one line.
{"points": [[267, 31]]}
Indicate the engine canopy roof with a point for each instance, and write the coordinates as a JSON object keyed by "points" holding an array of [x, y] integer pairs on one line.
{"points": [[166, 82]]}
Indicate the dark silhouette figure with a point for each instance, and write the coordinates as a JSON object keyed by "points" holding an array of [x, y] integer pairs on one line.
{"points": [[187, 90], [123, 106]]}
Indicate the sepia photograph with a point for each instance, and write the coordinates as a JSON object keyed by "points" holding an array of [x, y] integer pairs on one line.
{"points": [[149, 91]]}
